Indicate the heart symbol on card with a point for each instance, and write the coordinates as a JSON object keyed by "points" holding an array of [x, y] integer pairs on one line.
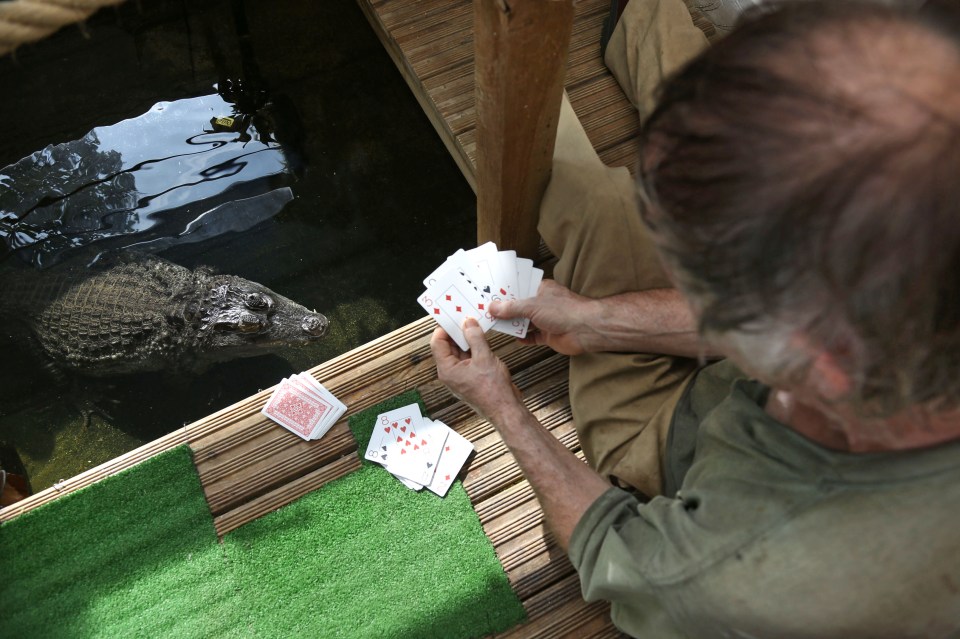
{"points": [[415, 447], [403, 451], [387, 429], [403, 429], [412, 434], [399, 439], [407, 420], [423, 441], [447, 449]]}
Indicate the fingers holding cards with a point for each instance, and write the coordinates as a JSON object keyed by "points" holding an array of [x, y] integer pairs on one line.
{"points": [[465, 284], [453, 298]]}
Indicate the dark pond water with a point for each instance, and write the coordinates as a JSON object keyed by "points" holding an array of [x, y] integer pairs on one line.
{"points": [[326, 183]]}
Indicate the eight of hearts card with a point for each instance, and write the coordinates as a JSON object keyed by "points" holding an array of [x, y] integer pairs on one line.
{"points": [[465, 284], [303, 406]]}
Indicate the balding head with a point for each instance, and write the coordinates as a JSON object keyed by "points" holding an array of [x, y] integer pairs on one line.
{"points": [[804, 178]]}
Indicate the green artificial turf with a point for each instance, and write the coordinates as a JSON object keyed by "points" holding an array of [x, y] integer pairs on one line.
{"points": [[124, 557], [136, 555], [366, 557]]}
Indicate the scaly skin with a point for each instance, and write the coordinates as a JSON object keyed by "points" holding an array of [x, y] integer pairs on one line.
{"points": [[145, 313]]}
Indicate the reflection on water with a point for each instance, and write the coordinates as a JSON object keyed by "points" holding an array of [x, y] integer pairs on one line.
{"points": [[329, 187], [146, 181]]}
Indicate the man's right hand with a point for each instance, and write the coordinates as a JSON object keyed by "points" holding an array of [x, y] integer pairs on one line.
{"points": [[559, 318], [657, 321]]}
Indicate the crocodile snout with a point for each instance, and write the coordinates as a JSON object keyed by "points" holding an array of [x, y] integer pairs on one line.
{"points": [[314, 324]]}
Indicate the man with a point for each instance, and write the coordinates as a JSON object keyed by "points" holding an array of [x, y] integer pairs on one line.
{"points": [[799, 183]]}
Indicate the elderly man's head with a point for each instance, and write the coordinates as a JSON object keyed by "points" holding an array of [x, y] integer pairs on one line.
{"points": [[802, 179]]}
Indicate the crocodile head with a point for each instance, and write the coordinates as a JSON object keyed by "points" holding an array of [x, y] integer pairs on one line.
{"points": [[234, 317]]}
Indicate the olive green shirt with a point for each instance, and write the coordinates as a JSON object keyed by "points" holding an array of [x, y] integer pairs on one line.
{"points": [[772, 535]]}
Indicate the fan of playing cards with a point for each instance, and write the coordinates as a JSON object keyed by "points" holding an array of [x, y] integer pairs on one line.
{"points": [[303, 406], [468, 281], [419, 451]]}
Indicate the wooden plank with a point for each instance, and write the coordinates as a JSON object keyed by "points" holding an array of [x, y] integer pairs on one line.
{"points": [[284, 495], [520, 50], [560, 612], [463, 160]]}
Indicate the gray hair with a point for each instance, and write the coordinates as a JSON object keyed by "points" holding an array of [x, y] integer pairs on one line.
{"points": [[803, 175]]}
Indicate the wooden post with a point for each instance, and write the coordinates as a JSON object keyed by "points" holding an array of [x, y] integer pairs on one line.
{"points": [[521, 54]]}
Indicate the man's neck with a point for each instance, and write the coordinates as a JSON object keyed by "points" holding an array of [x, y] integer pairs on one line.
{"points": [[840, 428]]}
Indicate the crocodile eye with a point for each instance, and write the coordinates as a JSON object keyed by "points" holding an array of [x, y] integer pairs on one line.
{"points": [[256, 301]]}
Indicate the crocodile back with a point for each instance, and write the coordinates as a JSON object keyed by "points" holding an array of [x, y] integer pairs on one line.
{"points": [[98, 318]]}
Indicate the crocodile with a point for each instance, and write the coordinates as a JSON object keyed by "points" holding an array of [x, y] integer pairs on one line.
{"points": [[143, 313]]}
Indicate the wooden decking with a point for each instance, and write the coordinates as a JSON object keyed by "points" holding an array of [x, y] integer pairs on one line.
{"points": [[431, 42]]}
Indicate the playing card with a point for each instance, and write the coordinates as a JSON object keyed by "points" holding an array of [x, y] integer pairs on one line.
{"points": [[415, 457], [480, 265], [453, 298], [524, 273], [514, 288], [431, 279], [317, 389], [295, 409], [485, 275], [321, 425], [454, 454], [391, 426], [507, 289], [412, 485], [484, 265], [535, 278], [507, 283]]}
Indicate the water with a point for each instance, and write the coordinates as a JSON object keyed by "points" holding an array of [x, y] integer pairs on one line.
{"points": [[173, 175], [342, 197]]}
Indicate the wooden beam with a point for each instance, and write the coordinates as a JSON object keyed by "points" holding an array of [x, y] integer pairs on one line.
{"points": [[521, 51]]}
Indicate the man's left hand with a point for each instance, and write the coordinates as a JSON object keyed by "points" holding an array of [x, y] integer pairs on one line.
{"points": [[477, 377]]}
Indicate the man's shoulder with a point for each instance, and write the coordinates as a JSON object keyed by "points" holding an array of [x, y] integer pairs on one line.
{"points": [[769, 517]]}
